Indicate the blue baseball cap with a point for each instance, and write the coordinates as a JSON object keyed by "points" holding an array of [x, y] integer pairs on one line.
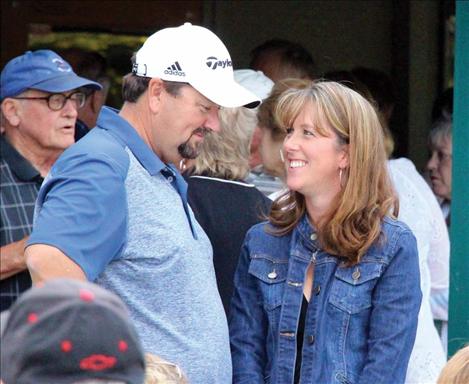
{"points": [[43, 70]]}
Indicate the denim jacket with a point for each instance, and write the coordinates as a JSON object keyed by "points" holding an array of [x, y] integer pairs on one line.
{"points": [[361, 320]]}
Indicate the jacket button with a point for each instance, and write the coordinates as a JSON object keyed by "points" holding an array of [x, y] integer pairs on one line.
{"points": [[313, 236], [311, 339], [356, 274], [317, 289], [272, 275]]}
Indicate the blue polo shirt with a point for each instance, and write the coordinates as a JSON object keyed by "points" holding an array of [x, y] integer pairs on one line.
{"points": [[112, 206]]}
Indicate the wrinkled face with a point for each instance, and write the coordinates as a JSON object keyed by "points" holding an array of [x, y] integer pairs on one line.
{"points": [[269, 150], [439, 167], [313, 161], [43, 128], [184, 120]]}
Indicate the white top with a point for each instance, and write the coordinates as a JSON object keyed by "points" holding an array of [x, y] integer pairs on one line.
{"points": [[419, 209]]}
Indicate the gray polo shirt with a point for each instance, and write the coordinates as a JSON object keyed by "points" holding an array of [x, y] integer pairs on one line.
{"points": [[113, 207]]}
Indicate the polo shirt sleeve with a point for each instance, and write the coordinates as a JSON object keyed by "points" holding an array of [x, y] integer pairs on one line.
{"points": [[82, 210]]}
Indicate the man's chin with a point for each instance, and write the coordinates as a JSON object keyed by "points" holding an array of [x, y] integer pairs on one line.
{"points": [[189, 152]]}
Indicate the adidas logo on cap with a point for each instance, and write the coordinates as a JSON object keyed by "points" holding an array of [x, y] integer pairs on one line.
{"points": [[174, 69]]}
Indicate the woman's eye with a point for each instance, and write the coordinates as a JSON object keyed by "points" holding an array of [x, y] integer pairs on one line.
{"points": [[308, 133], [289, 131]]}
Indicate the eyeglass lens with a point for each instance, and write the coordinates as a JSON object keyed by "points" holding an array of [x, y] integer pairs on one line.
{"points": [[57, 101]]}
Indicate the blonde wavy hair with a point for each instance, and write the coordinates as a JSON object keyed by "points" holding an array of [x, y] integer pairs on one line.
{"points": [[226, 154], [353, 222], [160, 371], [456, 370]]}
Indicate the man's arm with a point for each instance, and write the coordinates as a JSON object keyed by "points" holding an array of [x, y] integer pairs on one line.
{"points": [[12, 259], [46, 262]]}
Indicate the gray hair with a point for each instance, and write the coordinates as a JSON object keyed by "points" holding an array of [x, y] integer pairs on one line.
{"points": [[439, 131], [226, 154]]}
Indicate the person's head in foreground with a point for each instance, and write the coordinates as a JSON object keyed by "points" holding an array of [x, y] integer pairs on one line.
{"points": [[160, 371], [335, 168], [456, 370], [69, 331], [180, 78]]}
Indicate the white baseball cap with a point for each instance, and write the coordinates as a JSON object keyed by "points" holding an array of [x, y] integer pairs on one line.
{"points": [[195, 55], [255, 81]]}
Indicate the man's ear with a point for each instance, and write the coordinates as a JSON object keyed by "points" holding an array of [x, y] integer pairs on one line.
{"points": [[11, 111], [155, 92]]}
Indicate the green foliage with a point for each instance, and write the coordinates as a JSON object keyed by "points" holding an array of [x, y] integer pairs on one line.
{"points": [[117, 49]]}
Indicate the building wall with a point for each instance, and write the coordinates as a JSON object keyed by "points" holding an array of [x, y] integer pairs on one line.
{"points": [[339, 34]]}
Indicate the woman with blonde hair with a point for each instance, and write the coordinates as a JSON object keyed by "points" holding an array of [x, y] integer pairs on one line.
{"points": [[224, 204], [327, 290], [456, 370]]}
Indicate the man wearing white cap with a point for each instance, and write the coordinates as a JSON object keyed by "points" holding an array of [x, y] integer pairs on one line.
{"points": [[114, 208]]}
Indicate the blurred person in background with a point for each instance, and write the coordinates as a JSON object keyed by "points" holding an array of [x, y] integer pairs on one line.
{"points": [[269, 177], [280, 59], [223, 203], [93, 66]]}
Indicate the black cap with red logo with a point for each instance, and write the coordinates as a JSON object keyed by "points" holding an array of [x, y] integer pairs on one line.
{"points": [[66, 331]]}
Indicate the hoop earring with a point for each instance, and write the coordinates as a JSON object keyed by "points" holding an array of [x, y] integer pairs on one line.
{"points": [[340, 176], [281, 156]]}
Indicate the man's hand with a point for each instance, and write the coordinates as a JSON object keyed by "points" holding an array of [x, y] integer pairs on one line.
{"points": [[12, 259]]}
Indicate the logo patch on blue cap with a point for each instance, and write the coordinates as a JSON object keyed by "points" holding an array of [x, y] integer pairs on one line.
{"points": [[62, 66]]}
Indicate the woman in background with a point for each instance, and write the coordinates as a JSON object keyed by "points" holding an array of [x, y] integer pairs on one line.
{"points": [[328, 289], [440, 163], [272, 135], [223, 203]]}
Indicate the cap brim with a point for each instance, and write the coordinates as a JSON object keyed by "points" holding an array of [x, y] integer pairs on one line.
{"points": [[65, 83], [227, 94]]}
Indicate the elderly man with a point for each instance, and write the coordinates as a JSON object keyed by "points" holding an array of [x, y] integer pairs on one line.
{"points": [[114, 209], [40, 96]]}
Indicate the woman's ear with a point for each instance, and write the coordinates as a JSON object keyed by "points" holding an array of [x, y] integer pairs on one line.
{"points": [[10, 111], [344, 158]]}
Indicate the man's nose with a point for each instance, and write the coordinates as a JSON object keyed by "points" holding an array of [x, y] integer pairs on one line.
{"points": [[70, 109], [213, 121]]}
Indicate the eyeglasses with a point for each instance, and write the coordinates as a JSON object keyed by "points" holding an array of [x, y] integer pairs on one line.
{"points": [[57, 101]]}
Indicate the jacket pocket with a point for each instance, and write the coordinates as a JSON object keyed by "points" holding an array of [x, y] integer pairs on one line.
{"points": [[271, 274], [352, 287]]}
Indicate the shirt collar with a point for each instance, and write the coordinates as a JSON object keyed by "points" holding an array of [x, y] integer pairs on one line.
{"points": [[307, 232], [110, 120], [21, 167]]}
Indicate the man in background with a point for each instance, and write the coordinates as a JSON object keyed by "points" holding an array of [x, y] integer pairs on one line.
{"points": [[40, 99], [93, 66], [280, 59]]}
